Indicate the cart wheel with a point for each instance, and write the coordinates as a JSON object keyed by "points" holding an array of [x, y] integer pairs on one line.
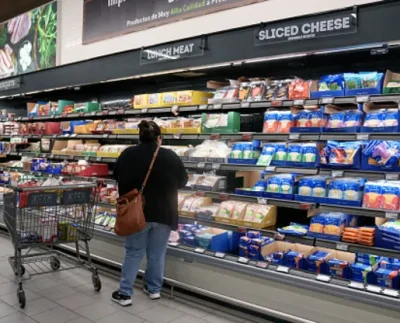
{"points": [[21, 298], [96, 283], [55, 263], [22, 271]]}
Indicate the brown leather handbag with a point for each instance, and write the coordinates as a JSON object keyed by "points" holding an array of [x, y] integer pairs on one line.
{"points": [[130, 214]]}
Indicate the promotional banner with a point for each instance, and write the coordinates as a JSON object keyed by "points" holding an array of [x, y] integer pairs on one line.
{"points": [[28, 42], [330, 24], [104, 19]]}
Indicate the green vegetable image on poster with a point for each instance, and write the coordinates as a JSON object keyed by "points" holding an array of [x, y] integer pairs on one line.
{"points": [[28, 42]]}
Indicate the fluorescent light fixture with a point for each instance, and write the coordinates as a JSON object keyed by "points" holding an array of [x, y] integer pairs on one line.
{"points": [[209, 66], [33, 92], [348, 49], [274, 58]]}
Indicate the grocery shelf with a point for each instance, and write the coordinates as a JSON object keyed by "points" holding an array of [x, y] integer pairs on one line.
{"points": [[373, 213]]}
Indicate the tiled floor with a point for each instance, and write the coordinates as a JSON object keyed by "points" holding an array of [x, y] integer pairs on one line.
{"points": [[68, 296]]}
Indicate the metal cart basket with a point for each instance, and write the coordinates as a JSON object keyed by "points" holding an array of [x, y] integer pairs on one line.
{"points": [[39, 218]]}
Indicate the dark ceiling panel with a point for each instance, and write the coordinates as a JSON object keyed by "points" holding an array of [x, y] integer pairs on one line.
{"points": [[12, 8]]}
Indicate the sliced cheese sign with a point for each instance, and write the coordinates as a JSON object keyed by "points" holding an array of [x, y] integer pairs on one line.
{"points": [[325, 25], [173, 51]]}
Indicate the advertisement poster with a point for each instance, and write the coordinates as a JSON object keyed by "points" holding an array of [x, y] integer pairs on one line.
{"points": [[104, 19], [28, 42]]}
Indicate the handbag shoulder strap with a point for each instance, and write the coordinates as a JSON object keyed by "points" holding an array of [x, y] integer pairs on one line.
{"points": [[150, 168]]}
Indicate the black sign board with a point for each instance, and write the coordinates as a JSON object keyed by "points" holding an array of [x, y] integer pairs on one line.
{"points": [[330, 24], [104, 19], [14, 83], [173, 51]]}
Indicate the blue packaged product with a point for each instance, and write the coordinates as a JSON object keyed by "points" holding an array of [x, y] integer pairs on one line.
{"points": [[385, 277], [317, 223], [275, 257], [337, 266], [343, 153], [333, 82], [286, 185], [190, 227], [280, 152], [319, 186], [374, 119], [274, 184], [370, 79], [351, 190], [352, 81], [309, 153], [352, 118], [184, 233], [248, 151], [390, 118], [237, 151], [372, 195], [336, 120], [267, 154], [190, 240], [389, 265], [271, 122], [302, 119], [260, 186], [294, 229], [253, 234], [305, 186], [294, 153], [360, 272], [285, 121], [292, 259], [317, 119], [336, 189], [315, 260], [367, 259]]}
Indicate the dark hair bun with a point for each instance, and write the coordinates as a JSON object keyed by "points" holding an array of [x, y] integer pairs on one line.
{"points": [[148, 131]]}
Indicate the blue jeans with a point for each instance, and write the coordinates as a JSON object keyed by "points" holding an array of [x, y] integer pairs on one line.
{"points": [[153, 241]]}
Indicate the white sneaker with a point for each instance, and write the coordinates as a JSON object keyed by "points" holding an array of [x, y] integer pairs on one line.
{"points": [[153, 296]]}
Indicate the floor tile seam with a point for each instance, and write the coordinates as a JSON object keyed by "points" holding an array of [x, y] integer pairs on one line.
{"points": [[1, 318]]}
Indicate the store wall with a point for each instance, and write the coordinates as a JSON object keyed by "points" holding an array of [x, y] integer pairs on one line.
{"points": [[70, 29]]}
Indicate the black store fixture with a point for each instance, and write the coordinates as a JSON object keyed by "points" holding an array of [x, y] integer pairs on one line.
{"points": [[111, 78]]}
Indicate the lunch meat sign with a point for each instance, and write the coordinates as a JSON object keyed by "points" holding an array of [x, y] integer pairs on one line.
{"points": [[325, 25], [104, 19]]}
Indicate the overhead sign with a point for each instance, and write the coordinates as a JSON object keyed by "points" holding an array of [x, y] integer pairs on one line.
{"points": [[104, 19], [14, 83], [330, 24], [173, 51]]}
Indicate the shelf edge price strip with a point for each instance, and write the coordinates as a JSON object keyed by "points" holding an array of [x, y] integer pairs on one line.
{"points": [[391, 215], [342, 246], [199, 250], [324, 278], [283, 269], [243, 260], [173, 244], [356, 285], [390, 292], [220, 255], [373, 289]]}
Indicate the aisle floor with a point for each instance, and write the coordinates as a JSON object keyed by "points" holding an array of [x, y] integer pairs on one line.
{"points": [[68, 296]]}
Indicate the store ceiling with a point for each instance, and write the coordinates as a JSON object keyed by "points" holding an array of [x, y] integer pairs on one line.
{"points": [[12, 8]]}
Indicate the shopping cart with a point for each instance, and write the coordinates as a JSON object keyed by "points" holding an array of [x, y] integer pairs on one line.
{"points": [[39, 219]]}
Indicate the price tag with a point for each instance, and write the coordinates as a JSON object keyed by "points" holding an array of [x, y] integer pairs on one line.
{"points": [[224, 197], [216, 166], [80, 114], [294, 136], [389, 176], [215, 136], [66, 135], [262, 264], [121, 111], [105, 113], [373, 289], [220, 255], [247, 136], [177, 136], [283, 269], [203, 107], [201, 193], [87, 158], [243, 260], [144, 110], [217, 106], [276, 103], [173, 244], [326, 100], [361, 136], [93, 113], [261, 200], [362, 98], [73, 135], [324, 278], [201, 165], [270, 169], [298, 102], [105, 135], [71, 157], [51, 156], [356, 285], [113, 113], [342, 246], [98, 159], [245, 105], [337, 173], [199, 250], [54, 136], [391, 215], [390, 292]]}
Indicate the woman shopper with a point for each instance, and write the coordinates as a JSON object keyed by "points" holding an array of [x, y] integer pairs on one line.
{"points": [[161, 209]]}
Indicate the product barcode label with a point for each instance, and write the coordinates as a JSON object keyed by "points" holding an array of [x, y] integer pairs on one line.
{"points": [[356, 285], [216, 166], [220, 255], [261, 200], [245, 104], [173, 244], [203, 107], [361, 136], [283, 269], [270, 169], [298, 102], [294, 136], [177, 136], [66, 135], [337, 173], [373, 289], [98, 159], [199, 250], [391, 215], [326, 100], [262, 264], [217, 106], [342, 246], [391, 176], [362, 98], [105, 135], [243, 260], [73, 135], [201, 165], [93, 113], [144, 110], [324, 278]]}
